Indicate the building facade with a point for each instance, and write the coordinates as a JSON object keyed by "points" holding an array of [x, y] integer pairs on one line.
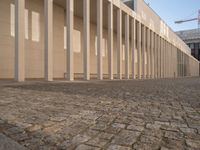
{"points": [[192, 39], [88, 39]]}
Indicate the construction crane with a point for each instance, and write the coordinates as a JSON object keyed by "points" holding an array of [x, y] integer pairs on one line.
{"points": [[187, 20]]}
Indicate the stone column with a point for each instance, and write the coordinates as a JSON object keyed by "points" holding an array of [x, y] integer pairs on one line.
{"points": [[133, 46], [164, 58], [70, 28], [99, 38], [155, 55], [148, 53], [143, 52], [19, 40], [152, 55], [86, 43], [127, 46], [181, 64], [119, 43], [159, 56], [48, 40], [110, 40], [139, 49], [162, 47], [170, 56]]}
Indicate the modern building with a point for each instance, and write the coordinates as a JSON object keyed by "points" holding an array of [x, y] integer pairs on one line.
{"points": [[192, 39], [86, 39]]}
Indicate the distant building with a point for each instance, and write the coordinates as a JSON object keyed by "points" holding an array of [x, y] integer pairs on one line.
{"points": [[192, 39]]}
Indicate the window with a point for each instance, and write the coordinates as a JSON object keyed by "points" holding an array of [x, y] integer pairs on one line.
{"points": [[12, 21], [35, 27], [192, 45]]}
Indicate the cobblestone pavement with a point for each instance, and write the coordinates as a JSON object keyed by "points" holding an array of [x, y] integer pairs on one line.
{"points": [[120, 115]]}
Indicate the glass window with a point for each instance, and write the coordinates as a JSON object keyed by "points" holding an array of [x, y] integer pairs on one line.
{"points": [[192, 45]]}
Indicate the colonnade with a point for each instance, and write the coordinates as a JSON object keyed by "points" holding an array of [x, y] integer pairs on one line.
{"points": [[156, 56]]}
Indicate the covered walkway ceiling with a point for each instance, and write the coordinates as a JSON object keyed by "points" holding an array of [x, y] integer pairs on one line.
{"points": [[78, 11]]}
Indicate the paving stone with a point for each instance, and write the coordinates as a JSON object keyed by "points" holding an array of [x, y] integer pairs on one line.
{"points": [[98, 142], [86, 147], [118, 125], [173, 135], [14, 130], [164, 148], [153, 126], [118, 147], [80, 139], [134, 127], [188, 130], [149, 139], [126, 137], [8, 144], [100, 126], [173, 143], [35, 128], [161, 123], [193, 143], [104, 135], [145, 146], [113, 130]]}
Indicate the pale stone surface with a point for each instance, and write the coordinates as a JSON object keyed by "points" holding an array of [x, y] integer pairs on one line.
{"points": [[86, 147], [126, 138], [118, 147], [8, 144], [193, 143], [154, 114]]}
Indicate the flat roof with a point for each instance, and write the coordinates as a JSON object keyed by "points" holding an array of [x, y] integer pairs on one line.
{"points": [[192, 34]]}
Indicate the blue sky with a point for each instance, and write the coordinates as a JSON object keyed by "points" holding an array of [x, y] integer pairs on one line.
{"points": [[171, 10]]}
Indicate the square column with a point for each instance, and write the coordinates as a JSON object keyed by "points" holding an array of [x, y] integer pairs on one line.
{"points": [[171, 62], [110, 40], [70, 28], [48, 40], [139, 48], [164, 58], [159, 48], [152, 54], [143, 52], [158, 56], [127, 46], [161, 57], [19, 40], [119, 44], [148, 54], [183, 64], [155, 56], [86, 34], [99, 38], [133, 46]]}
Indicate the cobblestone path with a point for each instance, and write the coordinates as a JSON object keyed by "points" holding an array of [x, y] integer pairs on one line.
{"points": [[107, 115]]}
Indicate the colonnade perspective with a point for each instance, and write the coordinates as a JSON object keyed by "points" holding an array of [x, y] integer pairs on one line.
{"points": [[147, 54]]}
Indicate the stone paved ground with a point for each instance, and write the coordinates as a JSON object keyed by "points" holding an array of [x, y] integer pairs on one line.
{"points": [[120, 115]]}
